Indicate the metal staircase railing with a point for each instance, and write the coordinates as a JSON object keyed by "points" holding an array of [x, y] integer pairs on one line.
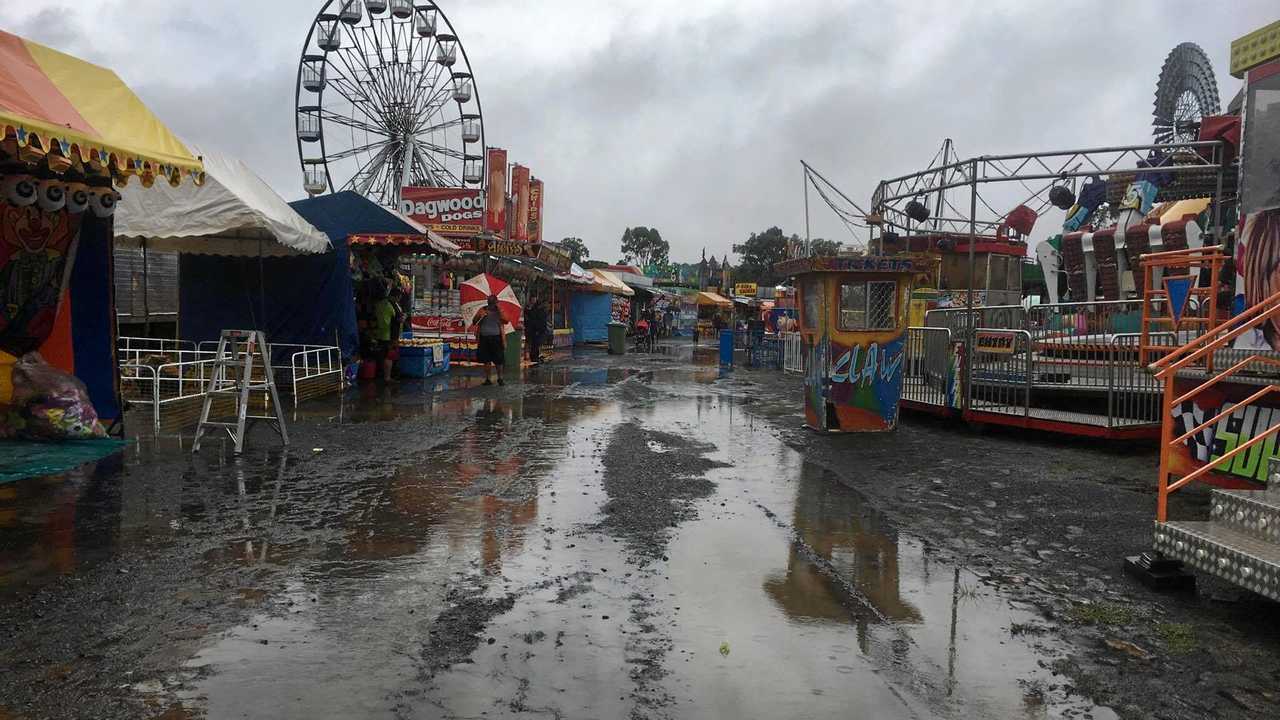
{"points": [[1199, 353], [1157, 267]]}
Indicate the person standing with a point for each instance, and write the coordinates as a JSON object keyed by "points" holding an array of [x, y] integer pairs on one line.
{"points": [[491, 346], [385, 333], [535, 324]]}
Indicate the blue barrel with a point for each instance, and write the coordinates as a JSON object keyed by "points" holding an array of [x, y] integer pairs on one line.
{"points": [[726, 348]]}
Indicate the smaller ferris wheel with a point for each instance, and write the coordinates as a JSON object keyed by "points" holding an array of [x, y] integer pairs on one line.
{"points": [[385, 98]]}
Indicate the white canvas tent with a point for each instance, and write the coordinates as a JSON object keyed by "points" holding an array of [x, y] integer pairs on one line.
{"points": [[233, 213]]}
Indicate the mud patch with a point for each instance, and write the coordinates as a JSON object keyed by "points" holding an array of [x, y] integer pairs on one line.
{"points": [[651, 492], [455, 634]]}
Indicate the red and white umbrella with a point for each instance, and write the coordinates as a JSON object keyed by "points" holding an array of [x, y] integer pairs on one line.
{"points": [[474, 294]]}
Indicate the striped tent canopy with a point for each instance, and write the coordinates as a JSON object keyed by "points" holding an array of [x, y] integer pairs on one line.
{"points": [[77, 115]]}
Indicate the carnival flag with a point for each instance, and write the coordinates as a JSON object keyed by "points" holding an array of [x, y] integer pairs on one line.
{"points": [[1178, 290]]}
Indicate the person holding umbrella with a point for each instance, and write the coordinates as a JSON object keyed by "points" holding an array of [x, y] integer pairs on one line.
{"points": [[491, 346]]}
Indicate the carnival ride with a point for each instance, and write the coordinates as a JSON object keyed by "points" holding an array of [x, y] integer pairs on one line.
{"points": [[985, 353], [386, 98]]}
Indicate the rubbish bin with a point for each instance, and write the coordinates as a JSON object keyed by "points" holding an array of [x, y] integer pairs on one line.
{"points": [[617, 338], [726, 348], [515, 349]]}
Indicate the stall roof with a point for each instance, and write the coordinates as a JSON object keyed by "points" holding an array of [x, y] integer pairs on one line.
{"points": [[84, 111], [344, 214], [233, 213], [427, 240], [609, 282], [710, 298], [658, 291], [577, 275]]}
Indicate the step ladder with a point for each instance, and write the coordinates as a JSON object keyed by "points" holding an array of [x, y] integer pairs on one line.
{"points": [[1240, 542], [239, 352]]}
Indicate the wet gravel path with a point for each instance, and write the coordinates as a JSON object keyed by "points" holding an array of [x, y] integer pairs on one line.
{"points": [[618, 537]]}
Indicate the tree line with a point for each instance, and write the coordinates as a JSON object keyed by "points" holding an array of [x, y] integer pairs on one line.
{"points": [[645, 247]]}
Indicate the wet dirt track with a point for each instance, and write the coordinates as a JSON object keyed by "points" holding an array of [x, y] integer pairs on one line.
{"points": [[636, 538]]}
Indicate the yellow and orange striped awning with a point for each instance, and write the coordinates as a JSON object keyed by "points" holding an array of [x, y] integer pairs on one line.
{"points": [[53, 103]]}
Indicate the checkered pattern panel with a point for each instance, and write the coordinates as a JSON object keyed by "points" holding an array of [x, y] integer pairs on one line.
{"points": [[1187, 416]]}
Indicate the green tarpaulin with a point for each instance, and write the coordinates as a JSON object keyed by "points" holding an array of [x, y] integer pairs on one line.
{"points": [[20, 459]]}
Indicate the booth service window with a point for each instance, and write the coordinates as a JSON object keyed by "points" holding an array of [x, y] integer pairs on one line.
{"points": [[812, 303], [869, 305]]}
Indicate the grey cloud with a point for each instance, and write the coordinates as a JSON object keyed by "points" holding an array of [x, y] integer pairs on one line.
{"points": [[694, 118]]}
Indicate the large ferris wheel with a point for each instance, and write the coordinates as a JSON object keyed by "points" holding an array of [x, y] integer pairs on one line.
{"points": [[385, 99]]}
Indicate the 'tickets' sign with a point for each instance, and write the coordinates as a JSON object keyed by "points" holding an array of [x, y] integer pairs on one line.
{"points": [[448, 211], [495, 217]]}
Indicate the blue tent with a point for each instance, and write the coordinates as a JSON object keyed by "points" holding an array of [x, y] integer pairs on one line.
{"points": [[307, 299]]}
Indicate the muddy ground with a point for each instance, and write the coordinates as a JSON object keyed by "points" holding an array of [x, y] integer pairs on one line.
{"points": [[636, 537]]}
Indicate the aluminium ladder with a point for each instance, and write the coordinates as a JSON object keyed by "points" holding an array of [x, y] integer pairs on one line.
{"points": [[233, 368]]}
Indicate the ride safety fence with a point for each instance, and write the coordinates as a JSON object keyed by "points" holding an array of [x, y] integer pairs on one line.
{"points": [[1075, 363]]}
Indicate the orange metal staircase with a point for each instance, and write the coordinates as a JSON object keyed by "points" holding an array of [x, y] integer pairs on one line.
{"points": [[1241, 540]]}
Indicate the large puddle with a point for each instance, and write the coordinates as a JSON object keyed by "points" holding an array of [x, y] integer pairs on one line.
{"points": [[474, 581]]}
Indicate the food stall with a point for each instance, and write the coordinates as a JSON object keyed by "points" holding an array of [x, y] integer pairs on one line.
{"points": [[853, 325], [533, 270], [593, 308], [710, 306], [565, 285]]}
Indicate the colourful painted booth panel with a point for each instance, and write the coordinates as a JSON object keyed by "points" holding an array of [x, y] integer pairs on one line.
{"points": [[853, 324]]}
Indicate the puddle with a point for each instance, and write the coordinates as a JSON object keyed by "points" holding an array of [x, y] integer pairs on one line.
{"points": [[472, 576]]}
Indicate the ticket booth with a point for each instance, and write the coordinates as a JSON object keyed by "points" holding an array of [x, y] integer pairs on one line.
{"points": [[853, 327]]}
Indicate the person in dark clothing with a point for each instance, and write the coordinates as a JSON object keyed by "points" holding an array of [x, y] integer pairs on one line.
{"points": [[491, 347], [535, 325]]}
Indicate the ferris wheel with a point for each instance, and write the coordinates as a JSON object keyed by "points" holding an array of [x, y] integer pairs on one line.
{"points": [[1186, 93], [385, 98]]}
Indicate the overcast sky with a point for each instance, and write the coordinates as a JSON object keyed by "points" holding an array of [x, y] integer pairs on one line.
{"points": [[690, 116]]}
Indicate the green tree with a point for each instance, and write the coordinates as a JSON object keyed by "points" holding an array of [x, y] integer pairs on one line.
{"points": [[644, 246], [577, 249], [759, 254], [819, 247]]}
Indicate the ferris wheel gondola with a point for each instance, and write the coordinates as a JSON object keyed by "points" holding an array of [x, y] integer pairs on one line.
{"points": [[386, 98]]}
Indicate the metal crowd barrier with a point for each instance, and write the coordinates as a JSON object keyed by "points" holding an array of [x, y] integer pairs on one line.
{"points": [[171, 376], [1031, 362], [166, 387], [1134, 395], [1074, 342], [958, 320], [793, 359], [306, 371], [1002, 377], [929, 375]]}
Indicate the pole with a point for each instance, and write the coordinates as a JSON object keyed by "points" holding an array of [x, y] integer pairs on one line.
{"points": [[806, 208], [146, 291], [406, 170], [969, 321], [938, 205], [1217, 197]]}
